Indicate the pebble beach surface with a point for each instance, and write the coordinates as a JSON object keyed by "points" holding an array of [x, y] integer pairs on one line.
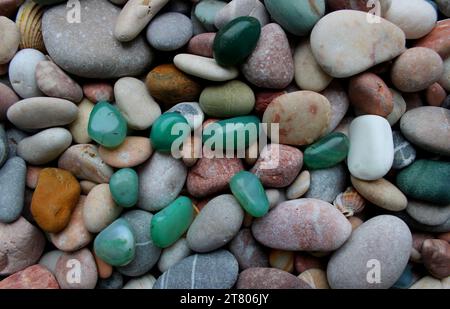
{"points": [[127, 158]]}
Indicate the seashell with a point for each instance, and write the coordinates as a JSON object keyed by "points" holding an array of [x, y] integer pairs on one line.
{"points": [[29, 21], [349, 202]]}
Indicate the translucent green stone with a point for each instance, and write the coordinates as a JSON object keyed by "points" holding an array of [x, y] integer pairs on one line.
{"points": [[172, 222], [116, 244], [107, 126], [124, 187], [163, 137], [327, 152], [249, 191]]}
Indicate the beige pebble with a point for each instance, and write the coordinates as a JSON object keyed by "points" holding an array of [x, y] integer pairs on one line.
{"points": [[316, 278], [135, 150], [79, 128], [300, 186]]}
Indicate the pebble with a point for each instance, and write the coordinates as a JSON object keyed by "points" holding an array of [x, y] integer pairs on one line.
{"points": [[14, 136], [84, 161], [115, 282], [87, 186], [426, 180], [210, 176], [275, 197], [444, 81], [12, 189], [206, 12], [428, 282], [283, 260], [22, 244], [399, 108], [205, 68], [104, 270], [84, 262], [404, 152], [170, 86], [292, 226], [436, 41], [278, 165], [144, 282], [417, 22], [315, 278], [202, 44], [75, 236], [427, 213], [339, 102], [172, 255], [215, 270], [237, 8], [79, 127], [327, 152], [249, 191], [169, 31], [42, 112], [100, 210], [4, 149], [169, 131], [428, 127], [308, 73], [303, 117], [381, 193], [417, 69], [386, 239], [216, 225], [160, 181], [98, 91], [435, 95], [191, 111], [134, 151], [146, 252], [49, 260], [271, 64], [297, 17], [54, 82], [10, 34], [22, 73], [326, 184], [135, 103], [371, 152], [124, 187], [370, 95], [33, 277], [107, 126], [436, 257], [83, 52], [44, 146], [247, 251], [269, 278], [7, 98], [381, 42], [300, 186]]}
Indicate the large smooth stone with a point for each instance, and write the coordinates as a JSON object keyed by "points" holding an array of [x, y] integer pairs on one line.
{"points": [[269, 278], [362, 45], [303, 225], [371, 152], [303, 117], [216, 270], [426, 180], [21, 245], [12, 189], [22, 73], [327, 183], [429, 128], [428, 214], [236, 8], [147, 253], [79, 50], [160, 181], [68, 263], [41, 113], [216, 224], [205, 68], [271, 64], [380, 245], [248, 252]]}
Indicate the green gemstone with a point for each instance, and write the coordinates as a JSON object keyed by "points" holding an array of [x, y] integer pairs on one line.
{"points": [[235, 133], [172, 222], [426, 180], [116, 244], [124, 187], [163, 137], [236, 40], [249, 191], [107, 126], [327, 152]]}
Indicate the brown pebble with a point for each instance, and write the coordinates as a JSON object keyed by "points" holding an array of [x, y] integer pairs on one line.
{"points": [[436, 257], [202, 44], [99, 91], [33, 277], [269, 278], [435, 95], [264, 98], [305, 261], [104, 270]]}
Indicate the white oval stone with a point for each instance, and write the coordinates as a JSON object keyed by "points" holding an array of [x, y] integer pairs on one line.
{"points": [[346, 43], [371, 152], [22, 73], [134, 101], [203, 67]]}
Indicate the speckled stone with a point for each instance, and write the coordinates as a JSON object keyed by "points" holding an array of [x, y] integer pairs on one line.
{"points": [[404, 152], [269, 278], [427, 213], [248, 252], [169, 31], [339, 102], [326, 184], [33, 277]]}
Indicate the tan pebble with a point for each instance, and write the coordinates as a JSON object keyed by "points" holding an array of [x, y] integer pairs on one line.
{"points": [[275, 197], [300, 186], [283, 260], [104, 270], [355, 222], [134, 151], [316, 278], [192, 150], [87, 186], [79, 128]]}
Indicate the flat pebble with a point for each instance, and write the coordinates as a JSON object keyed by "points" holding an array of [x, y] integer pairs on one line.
{"points": [[326, 184], [435, 95], [98, 91], [205, 68], [427, 213], [12, 189], [436, 41], [191, 111], [202, 44], [206, 12], [169, 31], [436, 257], [237, 8], [134, 151]]}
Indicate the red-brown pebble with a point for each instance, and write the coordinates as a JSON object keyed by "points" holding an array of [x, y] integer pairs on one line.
{"points": [[33, 176], [33, 277], [99, 91], [435, 95], [436, 257], [437, 39], [264, 98], [304, 261], [269, 278], [202, 44]]}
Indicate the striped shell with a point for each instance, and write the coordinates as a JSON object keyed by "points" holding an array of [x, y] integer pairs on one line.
{"points": [[29, 21], [349, 202]]}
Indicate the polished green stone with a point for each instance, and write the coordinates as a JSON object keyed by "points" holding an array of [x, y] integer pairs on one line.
{"points": [[107, 126], [172, 222], [236, 40], [232, 134], [116, 244], [162, 134], [426, 180], [124, 187], [249, 191], [327, 152]]}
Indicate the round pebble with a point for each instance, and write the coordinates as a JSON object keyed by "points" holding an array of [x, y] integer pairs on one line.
{"points": [[169, 31]]}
